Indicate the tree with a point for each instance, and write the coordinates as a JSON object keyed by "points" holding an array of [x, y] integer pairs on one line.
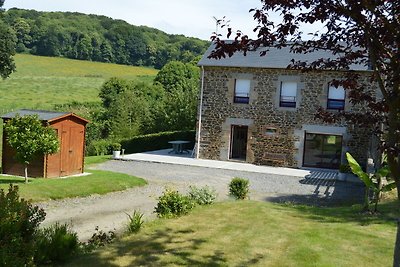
{"points": [[30, 139], [7, 47], [355, 32], [181, 83]]}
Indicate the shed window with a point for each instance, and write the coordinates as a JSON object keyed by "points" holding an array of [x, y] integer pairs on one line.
{"points": [[336, 97], [288, 94], [242, 91]]}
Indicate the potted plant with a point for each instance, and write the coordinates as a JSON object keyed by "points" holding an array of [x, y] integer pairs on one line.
{"points": [[116, 147], [344, 169]]}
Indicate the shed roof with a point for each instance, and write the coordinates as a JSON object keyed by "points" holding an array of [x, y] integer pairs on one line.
{"points": [[275, 59], [43, 115]]}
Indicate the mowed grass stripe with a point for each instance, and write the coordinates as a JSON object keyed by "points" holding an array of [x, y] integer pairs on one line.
{"points": [[98, 182], [41, 82], [247, 233]]}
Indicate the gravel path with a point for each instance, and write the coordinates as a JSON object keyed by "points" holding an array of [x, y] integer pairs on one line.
{"points": [[109, 211]]}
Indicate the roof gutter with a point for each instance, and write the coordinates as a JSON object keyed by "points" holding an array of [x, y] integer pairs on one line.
{"points": [[200, 113]]}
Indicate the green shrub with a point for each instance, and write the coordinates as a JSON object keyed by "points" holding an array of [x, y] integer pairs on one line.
{"points": [[99, 148], [172, 204], [156, 141], [239, 188], [19, 221], [135, 222], [202, 196], [98, 239], [116, 146], [55, 244]]}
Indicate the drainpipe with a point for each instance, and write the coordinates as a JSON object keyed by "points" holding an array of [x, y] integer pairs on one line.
{"points": [[200, 113]]}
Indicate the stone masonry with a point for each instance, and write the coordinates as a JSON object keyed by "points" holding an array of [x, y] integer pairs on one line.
{"points": [[285, 146]]}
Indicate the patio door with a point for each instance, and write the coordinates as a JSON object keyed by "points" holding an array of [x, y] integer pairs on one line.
{"points": [[322, 150], [238, 142]]}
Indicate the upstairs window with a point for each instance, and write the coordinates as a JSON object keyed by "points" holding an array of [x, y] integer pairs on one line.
{"points": [[336, 97], [288, 94], [242, 91]]}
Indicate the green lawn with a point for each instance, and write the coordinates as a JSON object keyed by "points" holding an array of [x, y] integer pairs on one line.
{"points": [[247, 233], [98, 182], [41, 82], [92, 160]]}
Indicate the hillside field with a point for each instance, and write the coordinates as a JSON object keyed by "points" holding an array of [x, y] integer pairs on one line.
{"points": [[40, 82]]}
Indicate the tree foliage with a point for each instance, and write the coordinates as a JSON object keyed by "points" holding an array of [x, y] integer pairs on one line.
{"points": [[30, 139], [7, 47], [355, 32], [131, 108], [98, 38], [19, 222]]}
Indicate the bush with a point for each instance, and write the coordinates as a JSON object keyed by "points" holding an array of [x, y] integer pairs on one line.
{"points": [[156, 141], [135, 222], [239, 188], [116, 146], [55, 244], [99, 148], [202, 196], [19, 221], [99, 239], [173, 204]]}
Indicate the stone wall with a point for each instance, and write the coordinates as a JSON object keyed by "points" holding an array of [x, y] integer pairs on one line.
{"points": [[262, 113]]}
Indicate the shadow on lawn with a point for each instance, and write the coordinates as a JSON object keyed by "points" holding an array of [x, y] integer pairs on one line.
{"points": [[161, 248], [11, 181]]}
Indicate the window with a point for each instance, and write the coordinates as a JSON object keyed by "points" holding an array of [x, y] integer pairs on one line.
{"points": [[242, 91], [288, 94], [270, 131], [336, 96], [322, 150]]}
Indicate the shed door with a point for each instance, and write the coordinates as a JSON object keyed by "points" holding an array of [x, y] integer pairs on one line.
{"points": [[65, 136], [76, 150], [72, 150]]}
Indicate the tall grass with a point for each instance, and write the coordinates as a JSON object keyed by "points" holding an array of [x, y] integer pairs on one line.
{"points": [[41, 82]]}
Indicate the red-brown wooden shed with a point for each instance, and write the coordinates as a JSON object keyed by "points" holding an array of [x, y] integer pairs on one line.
{"points": [[69, 160]]}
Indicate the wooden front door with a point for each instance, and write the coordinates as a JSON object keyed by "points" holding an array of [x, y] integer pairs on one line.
{"points": [[238, 142]]}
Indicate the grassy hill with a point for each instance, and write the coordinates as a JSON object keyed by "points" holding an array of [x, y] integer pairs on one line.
{"points": [[41, 82]]}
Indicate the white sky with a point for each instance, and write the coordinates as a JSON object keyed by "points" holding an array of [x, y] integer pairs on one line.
{"points": [[189, 17]]}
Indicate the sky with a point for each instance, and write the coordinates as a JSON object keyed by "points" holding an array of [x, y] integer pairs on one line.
{"points": [[194, 18]]}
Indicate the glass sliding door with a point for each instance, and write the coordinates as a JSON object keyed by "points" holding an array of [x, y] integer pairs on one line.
{"points": [[322, 150]]}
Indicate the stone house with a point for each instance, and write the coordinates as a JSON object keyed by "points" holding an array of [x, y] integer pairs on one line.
{"points": [[254, 109]]}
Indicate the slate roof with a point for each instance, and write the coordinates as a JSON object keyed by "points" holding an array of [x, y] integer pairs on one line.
{"points": [[43, 115], [275, 59]]}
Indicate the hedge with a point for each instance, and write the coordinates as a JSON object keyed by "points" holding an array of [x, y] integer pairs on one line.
{"points": [[151, 142]]}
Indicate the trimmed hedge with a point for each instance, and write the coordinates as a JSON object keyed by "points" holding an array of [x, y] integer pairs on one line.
{"points": [[150, 142]]}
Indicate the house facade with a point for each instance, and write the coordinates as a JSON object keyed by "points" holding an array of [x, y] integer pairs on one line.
{"points": [[254, 109]]}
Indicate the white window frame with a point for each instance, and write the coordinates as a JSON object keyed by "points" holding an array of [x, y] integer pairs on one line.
{"points": [[288, 94], [242, 91], [336, 97]]}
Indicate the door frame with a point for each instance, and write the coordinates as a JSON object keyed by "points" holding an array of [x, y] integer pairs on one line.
{"points": [[233, 126], [324, 134]]}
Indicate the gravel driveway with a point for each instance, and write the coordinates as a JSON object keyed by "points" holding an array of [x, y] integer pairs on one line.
{"points": [[109, 211]]}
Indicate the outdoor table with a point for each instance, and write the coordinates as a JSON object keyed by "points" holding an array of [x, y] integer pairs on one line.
{"points": [[177, 146]]}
